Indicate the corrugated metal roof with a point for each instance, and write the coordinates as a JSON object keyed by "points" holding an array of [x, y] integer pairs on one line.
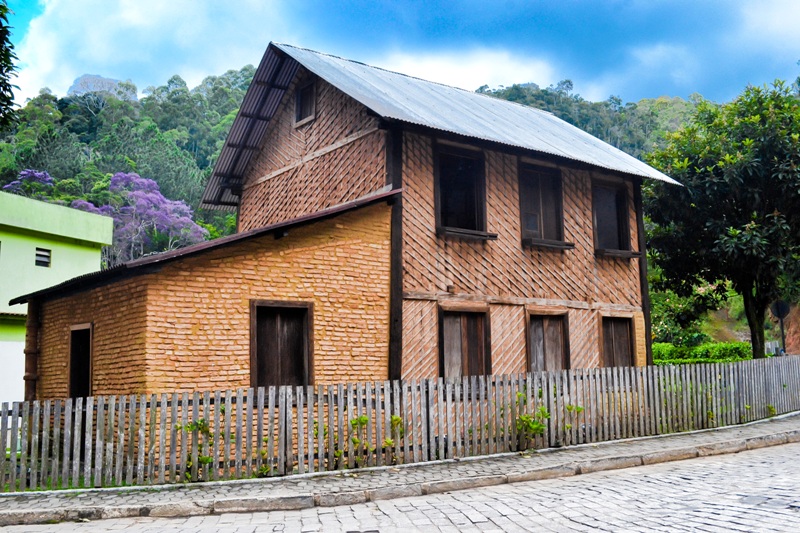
{"points": [[415, 101]]}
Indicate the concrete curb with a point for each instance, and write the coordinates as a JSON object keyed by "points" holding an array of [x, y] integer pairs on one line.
{"points": [[306, 501]]}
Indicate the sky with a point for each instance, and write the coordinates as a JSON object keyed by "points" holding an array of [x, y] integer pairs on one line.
{"points": [[632, 49]]}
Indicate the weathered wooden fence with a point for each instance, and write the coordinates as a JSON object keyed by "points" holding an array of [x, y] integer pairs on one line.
{"points": [[153, 439]]}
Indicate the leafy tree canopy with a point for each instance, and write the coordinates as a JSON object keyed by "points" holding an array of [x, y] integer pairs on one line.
{"points": [[7, 69], [737, 218]]}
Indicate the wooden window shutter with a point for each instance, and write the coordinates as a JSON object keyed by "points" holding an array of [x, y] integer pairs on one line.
{"points": [[610, 211], [540, 203]]}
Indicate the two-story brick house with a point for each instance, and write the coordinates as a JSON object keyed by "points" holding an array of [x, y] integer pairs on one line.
{"points": [[390, 227]]}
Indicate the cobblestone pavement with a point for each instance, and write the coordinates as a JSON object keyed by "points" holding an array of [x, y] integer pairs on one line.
{"points": [[316, 495], [757, 490]]}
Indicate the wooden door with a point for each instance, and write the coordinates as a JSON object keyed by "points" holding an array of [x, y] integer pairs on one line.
{"points": [[547, 345], [80, 362], [281, 356], [617, 342], [463, 345]]}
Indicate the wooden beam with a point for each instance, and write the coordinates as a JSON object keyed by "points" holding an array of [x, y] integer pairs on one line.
{"points": [[648, 325], [32, 325], [393, 147]]}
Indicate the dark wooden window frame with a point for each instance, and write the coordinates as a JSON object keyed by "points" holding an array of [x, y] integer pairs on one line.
{"points": [[309, 338], [623, 224], [81, 327], [487, 335], [480, 193], [547, 313], [528, 238], [631, 333], [307, 90], [44, 257]]}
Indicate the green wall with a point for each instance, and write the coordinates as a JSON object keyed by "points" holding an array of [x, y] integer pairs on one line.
{"points": [[74, 238]]}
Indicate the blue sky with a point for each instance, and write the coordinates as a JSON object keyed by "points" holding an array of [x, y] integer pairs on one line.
{"points": [[629, 48]]}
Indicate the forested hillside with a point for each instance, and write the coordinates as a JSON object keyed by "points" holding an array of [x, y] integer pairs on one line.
{"points": [[145, 161], [632, 127]]}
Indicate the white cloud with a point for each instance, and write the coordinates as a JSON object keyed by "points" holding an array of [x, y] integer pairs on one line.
{"points": [[145, 40], [770, 26], [470, 69]]}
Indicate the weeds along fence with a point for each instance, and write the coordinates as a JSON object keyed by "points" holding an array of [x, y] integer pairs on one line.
{"points": [[172, 438]]}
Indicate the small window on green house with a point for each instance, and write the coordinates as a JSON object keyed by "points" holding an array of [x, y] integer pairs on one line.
{"points": [[42, 257]]}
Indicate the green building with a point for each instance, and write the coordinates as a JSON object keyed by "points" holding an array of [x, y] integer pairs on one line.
{"points": [[41, 245]]}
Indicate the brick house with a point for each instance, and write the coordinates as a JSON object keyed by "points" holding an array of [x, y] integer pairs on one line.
{"points": [[390, 227]]}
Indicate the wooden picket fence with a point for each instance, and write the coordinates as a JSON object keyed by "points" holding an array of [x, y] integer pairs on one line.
{"points": [[153, 439]]}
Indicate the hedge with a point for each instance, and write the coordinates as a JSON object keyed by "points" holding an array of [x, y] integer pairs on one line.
{"points": [[665, 353]]}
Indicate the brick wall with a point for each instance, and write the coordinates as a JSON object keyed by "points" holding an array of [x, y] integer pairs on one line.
{"points": [[117, 314], [199, 315], [504, 273], [338, 156], [187, 327]]}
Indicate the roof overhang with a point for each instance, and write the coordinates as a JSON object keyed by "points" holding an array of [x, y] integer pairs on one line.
{"points": [[270, 82], [153, 263]]}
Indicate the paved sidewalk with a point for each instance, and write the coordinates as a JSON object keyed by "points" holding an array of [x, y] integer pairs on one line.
{"points": [[331, 489]]}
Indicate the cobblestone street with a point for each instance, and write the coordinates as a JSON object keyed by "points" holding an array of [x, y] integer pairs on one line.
{"points": [[757, 490]]}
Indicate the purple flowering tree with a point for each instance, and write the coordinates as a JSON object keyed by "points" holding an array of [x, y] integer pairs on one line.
{"points": [[145, 221], [31, 183]]}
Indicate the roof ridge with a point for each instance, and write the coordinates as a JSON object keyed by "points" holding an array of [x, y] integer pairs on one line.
{"points": [[495, 98]]}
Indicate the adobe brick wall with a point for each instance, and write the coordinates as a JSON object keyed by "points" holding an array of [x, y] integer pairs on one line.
{"points": [[505, 274], [337, 157], [187, 327], [198, 323], [117, 313]]}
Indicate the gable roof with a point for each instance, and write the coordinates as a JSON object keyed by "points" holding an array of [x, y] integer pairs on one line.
{"points": [[152, 263], [409, 100]]}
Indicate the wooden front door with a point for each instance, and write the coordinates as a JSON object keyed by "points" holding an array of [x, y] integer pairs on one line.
{"points": [[281, 346]]}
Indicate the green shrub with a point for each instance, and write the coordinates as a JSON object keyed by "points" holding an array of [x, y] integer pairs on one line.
{"points": [[721, 352]]}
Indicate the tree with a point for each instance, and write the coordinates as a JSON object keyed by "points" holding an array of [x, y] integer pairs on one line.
{"points": [[737, 218], [7, 68], [31, 183], [144, 221]]}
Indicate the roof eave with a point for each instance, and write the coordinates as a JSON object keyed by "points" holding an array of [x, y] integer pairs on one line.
{"points": [[147, 264]]}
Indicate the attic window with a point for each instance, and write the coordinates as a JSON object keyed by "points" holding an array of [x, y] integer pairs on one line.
{"points": [[42, 257], [304, 104]]}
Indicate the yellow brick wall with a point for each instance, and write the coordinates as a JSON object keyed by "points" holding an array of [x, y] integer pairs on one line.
{"points": [[198, 323], [117, 313]]}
